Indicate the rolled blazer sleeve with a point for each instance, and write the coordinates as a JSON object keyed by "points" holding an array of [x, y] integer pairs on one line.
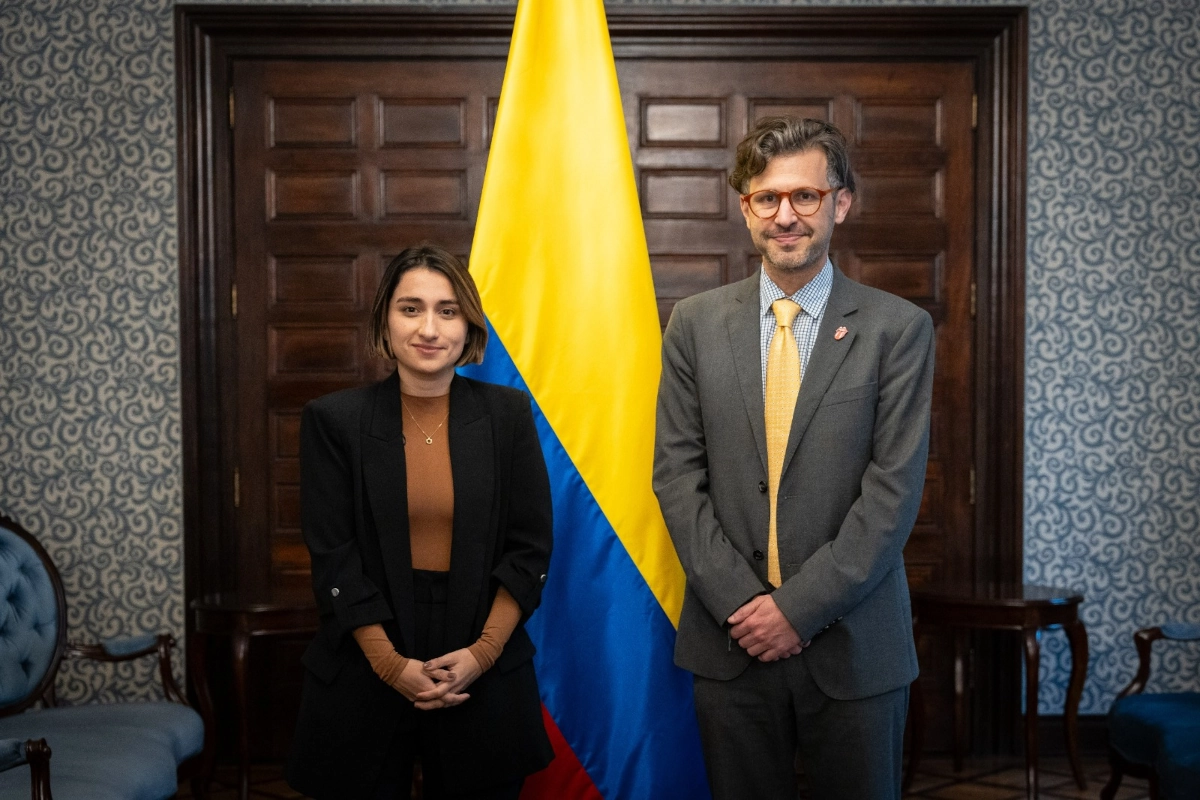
{"points": [[525, 555], [870, 542], [718, 574], [327, 509]]}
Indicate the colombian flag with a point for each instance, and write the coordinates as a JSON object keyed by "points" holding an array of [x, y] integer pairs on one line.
{"points": [[561, 262]]}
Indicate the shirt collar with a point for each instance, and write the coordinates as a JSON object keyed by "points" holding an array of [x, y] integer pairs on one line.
{"points": [[812, 296]]}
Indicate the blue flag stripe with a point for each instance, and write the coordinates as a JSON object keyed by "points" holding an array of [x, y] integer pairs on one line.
{"points": [[604, 659]]}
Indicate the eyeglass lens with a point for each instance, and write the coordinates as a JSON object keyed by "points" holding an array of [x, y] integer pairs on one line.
{"points": [[805, 201]]}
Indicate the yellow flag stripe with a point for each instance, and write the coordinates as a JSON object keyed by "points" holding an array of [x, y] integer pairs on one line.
{"points": [[561, 262]]}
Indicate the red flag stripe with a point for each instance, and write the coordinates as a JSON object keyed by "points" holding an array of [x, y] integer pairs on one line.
{"points": [[565, 777]]}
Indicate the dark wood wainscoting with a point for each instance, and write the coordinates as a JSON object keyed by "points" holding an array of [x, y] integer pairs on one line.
{"points": [[316, 143]]}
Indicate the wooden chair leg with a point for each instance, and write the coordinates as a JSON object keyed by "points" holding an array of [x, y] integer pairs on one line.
{"points": [[1116, 766], [37, 753]]}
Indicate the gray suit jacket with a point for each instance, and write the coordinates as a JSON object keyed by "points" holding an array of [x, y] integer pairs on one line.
{"points": [[849, 494]]}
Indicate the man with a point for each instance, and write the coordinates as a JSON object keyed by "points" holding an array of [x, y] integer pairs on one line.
{"points": [[793, 430]]}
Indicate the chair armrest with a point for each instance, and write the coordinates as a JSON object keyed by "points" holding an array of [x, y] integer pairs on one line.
{"points": [[12, 754], [36, 753], [1144, 639], [128, 649], [130, 646], [1180, 631]]}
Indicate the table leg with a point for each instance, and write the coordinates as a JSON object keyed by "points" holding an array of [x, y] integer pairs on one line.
{"points": [[1032, 659], [1077, 636], [241, 646], [960, 697], [198, 669], [916, 723]]}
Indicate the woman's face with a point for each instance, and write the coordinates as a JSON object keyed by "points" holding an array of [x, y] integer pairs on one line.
{"points": [[426, 328]]}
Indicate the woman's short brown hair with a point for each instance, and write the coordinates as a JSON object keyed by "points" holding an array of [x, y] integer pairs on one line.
{"points": [[438, 259]]}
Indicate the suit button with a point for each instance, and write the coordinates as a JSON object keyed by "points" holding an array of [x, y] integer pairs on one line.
{"points": [[758, 555], [762, 486], [543, 578], [334, 591]]}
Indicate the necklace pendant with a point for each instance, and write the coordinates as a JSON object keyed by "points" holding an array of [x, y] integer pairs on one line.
{"points": [[428, 440]]}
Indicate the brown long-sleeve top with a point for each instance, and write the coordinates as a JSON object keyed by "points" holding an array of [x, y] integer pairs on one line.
{"points": [[431, 514]]}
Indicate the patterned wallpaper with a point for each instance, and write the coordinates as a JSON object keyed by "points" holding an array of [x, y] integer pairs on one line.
{"points": [[89, 343], [1112, 465], [89, 398]]}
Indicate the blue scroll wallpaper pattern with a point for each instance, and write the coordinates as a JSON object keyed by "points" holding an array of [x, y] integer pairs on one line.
{"points": [[89, 397], [89, 342], [1112, 501]]}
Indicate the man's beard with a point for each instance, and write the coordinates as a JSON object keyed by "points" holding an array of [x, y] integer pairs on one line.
{"points": [[809, 255]]}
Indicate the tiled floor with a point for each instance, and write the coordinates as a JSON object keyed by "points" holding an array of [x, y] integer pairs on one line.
{"points": [[980, 779], [1004, 779], [266, 783]]}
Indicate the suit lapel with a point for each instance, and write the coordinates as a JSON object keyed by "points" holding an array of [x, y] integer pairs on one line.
{"points": [[472, 463], [826, 359], [745, 340], [386, 482]]}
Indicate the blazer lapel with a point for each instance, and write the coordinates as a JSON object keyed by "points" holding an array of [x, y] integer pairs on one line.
{"points": [[745, 340], [826, 359], [472, 463], [386, 479]]}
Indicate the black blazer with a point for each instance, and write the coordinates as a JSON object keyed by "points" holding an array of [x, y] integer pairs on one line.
{"points": [[354, 514]]}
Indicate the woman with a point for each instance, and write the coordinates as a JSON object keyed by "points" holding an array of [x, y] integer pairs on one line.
{"points": [[426, 510]]}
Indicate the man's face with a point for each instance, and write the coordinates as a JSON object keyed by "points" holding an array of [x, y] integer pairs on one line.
{"points": [[795, 247]]}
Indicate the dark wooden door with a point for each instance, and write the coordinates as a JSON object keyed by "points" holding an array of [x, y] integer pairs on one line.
{"points": [[910, 230], [339, 164]]}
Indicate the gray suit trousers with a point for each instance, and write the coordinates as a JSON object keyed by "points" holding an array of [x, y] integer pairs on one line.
{"points": [[758, 726]]}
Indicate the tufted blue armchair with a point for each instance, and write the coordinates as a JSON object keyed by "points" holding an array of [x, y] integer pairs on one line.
{"points": [[120, 751], [1156, 736]]}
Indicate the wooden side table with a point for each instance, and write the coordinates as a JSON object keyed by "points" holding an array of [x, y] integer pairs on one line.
{"points": [[241, 617], [1017, 607]]}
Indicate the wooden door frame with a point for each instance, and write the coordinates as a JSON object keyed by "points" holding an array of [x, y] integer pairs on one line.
{"points": [[994, 40]]}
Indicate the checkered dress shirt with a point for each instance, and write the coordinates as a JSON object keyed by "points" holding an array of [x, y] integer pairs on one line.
{"points": [[812, 298]]}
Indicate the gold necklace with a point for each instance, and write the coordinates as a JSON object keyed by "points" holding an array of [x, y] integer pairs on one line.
{"points": [[428, 436]]}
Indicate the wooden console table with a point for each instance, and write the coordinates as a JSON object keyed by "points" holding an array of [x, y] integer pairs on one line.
{"points": [[1017, 607], [241, 617]]}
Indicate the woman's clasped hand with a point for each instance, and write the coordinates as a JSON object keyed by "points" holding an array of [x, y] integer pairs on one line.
{"points": [[451, 674], [437, 683]]}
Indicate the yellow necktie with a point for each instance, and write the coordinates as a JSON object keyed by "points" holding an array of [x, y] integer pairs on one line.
{"points": [[783, 386]]}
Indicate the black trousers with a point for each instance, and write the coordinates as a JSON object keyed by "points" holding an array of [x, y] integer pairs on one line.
{"points": [[754, 727], [421, 743]]}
